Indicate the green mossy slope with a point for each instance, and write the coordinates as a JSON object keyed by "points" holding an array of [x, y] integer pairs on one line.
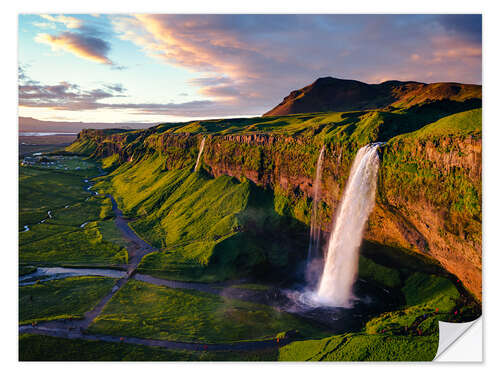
{"points": [[207, 228]]}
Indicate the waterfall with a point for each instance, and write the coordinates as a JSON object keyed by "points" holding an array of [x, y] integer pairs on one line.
{"points": [[341, 265], [202, 146], [314, 261]]}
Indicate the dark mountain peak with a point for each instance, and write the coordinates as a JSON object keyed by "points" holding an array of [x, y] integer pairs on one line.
{"points": [[332, 81], [336, 94], [396, 83]]}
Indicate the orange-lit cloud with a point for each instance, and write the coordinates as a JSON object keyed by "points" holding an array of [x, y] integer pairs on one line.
{"points": [[449, 49], [84, 46]]}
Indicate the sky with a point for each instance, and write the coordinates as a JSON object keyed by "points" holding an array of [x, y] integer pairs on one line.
{"points": [[154, 68]]}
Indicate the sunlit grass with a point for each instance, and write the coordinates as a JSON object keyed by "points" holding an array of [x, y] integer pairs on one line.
{"points": [[145, 310], [61, 299]]}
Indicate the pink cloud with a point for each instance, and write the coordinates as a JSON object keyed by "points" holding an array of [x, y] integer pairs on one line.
{"points": [[83, 46]]}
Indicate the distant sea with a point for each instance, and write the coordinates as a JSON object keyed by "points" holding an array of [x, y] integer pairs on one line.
{"points": [[41, 134]]}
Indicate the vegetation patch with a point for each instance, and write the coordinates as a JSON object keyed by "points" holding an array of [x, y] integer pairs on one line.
{"points": [[79, 246], [144, 310], [428, 299], [209, 229], [46, 348], [369, 270], [44, 190], [61, 299], [362, 347]]}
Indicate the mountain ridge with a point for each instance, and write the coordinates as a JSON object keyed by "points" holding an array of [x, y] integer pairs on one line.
{"points": [[335, 94]]}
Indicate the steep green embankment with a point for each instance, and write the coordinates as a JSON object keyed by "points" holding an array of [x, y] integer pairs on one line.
{"points": [[428, 199], [208, 229]]}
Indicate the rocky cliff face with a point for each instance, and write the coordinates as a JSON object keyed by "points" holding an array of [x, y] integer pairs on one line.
{"points": [[431, 191], [428, 198]]}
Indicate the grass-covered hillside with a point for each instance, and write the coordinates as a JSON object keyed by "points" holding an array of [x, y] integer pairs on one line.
{"points": [[207, 228]]}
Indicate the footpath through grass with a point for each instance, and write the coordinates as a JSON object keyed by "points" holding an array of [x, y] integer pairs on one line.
{"points": [[150, 311], [209, 229], [45, 348], [61, 299]]}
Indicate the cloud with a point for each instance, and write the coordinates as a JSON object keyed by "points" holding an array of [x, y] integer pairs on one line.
{"points": [[60, 96], [44, 25], [252, 61], [68, 21], [21, 74], [23, 77], [447, 49], [81, 45], [71, 97], [116, 87], [118, 67], [219, 87]]}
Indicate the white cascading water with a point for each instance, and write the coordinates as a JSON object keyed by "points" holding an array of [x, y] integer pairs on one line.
{"points": [[314, 234], [341, 265], [202, 146]]}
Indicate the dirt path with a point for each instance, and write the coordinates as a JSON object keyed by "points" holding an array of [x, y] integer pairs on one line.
{"points": [[74, 333], [137, 248]]}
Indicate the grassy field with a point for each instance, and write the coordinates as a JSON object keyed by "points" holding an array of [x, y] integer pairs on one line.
{"points": [[382, 275], [144, 310], [76, 246], [79, 230], [45, 348], [61, 299], [43, 190], [362, 347], [462, 124]]}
